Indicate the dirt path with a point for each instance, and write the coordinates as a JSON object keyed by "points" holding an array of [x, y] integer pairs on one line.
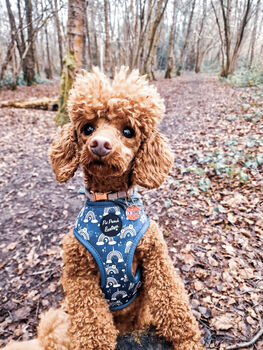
{"points": [[36, 211]]}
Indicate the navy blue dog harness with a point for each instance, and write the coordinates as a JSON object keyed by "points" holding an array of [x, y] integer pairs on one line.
{"points": [[104, 229]]}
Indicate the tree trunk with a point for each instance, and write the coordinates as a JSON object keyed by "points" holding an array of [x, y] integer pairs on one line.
{"points": [[126, 32], [14, 68], [75, 58], [59, 35], [199, 55], [13, 29], [133, 30], [231, 53], [259, 58], [261, 51], [96, 59], [202, 54], [254, 36], [37, 67], [222, 48], [182, 54], [29, 59], [89, 42], [20, 28], [153, 54], [48, 68], [7, 59], [143, 28], [107, 67], [240, 36], [226, 16], [76, 31], [161, 6], [20, 42], [170, 56]]}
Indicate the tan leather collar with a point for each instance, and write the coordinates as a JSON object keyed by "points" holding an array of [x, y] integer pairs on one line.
{"points": [[100, 196]]}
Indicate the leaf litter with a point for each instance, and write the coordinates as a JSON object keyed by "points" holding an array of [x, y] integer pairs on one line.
{"points": [[209, 208]]}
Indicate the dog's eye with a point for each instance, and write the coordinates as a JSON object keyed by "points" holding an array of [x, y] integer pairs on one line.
{"points": [[128, 132], [88, 129]]}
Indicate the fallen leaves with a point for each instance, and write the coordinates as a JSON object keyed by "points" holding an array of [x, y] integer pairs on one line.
{"points": [[211, 217], [222, 216], [21, 313], [11, 246], [223, 322]]}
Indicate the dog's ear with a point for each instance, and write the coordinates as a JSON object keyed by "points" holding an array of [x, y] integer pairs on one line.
{"points": [[153, 161], [64, 154]]}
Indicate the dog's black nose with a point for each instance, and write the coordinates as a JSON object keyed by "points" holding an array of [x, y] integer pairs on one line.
{"points": [[101, 146]]}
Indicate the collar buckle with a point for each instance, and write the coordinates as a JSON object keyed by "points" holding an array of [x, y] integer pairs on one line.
{"points": [[100, 196]]}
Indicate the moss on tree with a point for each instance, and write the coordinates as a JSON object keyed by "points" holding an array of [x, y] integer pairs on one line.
{"points": [[67, 78]]}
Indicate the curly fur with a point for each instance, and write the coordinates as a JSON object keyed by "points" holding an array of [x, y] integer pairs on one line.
{"points": [[144, 159], [65, 154]]}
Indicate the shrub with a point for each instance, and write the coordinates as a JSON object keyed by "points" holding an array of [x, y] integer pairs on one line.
{"points": [[8, 81], [245, 77]]}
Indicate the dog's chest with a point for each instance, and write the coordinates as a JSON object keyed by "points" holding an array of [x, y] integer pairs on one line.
{"points": [[111, 233]]}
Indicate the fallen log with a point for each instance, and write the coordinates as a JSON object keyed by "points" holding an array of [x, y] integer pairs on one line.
{"points": [[44, 103]]}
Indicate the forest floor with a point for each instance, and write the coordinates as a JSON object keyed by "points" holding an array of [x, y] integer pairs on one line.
{"points": [[210, 207]]}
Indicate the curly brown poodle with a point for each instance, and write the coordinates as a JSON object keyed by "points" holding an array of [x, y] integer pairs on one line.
{"points": [[112, 136]]}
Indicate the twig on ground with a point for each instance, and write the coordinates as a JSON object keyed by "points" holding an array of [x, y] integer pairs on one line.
{"points": [[45, 280], [37, 309], [42, 271], [2, 331], [251, 341]]}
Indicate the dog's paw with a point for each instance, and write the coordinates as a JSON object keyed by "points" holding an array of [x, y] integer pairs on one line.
{"points": [[53, 330]]}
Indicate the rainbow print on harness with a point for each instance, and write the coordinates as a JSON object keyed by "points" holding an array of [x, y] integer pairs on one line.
{"points": [[104, 229]]}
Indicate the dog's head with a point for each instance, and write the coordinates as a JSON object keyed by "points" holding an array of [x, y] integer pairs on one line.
{"points": [[113, 131]]}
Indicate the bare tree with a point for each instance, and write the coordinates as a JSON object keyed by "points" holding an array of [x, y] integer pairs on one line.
{"points": [[137, 33], [143, 25], [75, 59], [48, 66], [186, 39], [170, 56], [14, 37], [29, 56], [8, 57], [25, 49], [254, 35], [77, 31], [96, 55], [153, 53], [160, 8], [89, 40], [23, 36], [59, 34], [199, 52], [107, 64], [231, 43]]}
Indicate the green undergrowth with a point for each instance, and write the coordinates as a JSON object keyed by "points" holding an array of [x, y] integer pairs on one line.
{"points": [[235, 162], [245, 77], [251, 107], [8, 81], [238, 158]]}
